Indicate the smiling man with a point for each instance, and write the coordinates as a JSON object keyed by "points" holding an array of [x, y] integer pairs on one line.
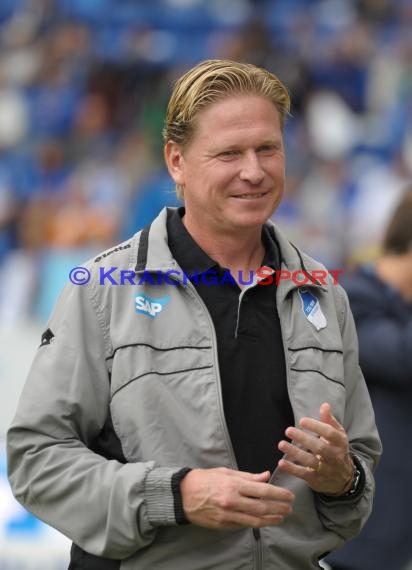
{"points": [[189, 427]]}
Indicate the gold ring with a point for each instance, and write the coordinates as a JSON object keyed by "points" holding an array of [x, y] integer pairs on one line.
{"points": [[320, 463]]}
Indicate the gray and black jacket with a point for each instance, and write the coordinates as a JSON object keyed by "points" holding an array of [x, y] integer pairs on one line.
{"points": [[125, 390]]}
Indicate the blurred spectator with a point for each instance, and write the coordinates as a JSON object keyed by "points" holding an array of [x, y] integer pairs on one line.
{"points": [[381, 300], [155, 192], [82, 90], [83, 87], [7, 216], [379, 186], [16, 271], [13, 117], [320, 199]]}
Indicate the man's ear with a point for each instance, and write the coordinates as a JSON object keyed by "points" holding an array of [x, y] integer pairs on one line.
{"points": [[174, 162]]}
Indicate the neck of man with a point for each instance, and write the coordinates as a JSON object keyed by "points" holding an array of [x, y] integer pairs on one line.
{"points": [[396, 271], [236, 252]]}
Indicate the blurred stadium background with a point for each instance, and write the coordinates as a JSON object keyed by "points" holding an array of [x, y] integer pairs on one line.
{"points": [[83, 86]]}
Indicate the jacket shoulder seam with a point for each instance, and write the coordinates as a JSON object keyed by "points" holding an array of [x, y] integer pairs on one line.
{"points": [[101, 320]]}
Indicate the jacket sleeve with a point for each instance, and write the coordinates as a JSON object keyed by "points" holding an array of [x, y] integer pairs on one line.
{"points": [[346, 516], [106, 507], [381, 333]]}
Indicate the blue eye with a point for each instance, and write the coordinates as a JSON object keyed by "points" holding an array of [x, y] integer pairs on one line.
{"points": [[228, 155]]}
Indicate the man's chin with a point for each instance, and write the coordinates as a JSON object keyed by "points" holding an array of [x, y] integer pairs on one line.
{"points": [[242, 224], [252, 219]]}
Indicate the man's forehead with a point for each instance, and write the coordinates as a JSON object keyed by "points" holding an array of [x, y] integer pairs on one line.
{"points": [[233, 115], [237, 103]]}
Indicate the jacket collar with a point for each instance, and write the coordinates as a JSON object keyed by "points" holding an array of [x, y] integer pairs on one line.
{"points": [[150, 251]]}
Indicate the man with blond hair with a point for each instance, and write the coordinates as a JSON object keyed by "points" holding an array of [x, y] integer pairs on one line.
{"points": [[173, 423]]}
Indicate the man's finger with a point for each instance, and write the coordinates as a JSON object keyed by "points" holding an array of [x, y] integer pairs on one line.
{"points": [[266, 492], [325, 414], [331, 434], [263, 508], [296, 454], [293, 469], [305, 439], [264, 476], [242, 520]]}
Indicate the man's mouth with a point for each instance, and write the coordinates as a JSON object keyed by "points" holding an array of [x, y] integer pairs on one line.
{"points": [[250, 196]]}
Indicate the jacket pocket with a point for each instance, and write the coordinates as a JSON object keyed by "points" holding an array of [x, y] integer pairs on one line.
{"points": [[165, 406], [317, 376], [142, 362]]}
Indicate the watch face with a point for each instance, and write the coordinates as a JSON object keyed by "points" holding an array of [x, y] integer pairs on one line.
{"points": [[355, 482]]}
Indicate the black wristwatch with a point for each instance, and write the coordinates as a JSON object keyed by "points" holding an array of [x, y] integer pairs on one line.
{"points": [[356, 477], [357, 484]]}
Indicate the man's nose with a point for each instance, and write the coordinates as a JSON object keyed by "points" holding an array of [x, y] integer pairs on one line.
{"points": [[251, 169]]}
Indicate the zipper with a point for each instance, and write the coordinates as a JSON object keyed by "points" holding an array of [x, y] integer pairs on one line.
{"points": [[273, 479], [257, 549], [226, 435], [285, 351], [257, 544]]}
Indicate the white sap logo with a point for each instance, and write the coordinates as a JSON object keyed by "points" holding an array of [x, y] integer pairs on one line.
{"points": [[148, 306]]}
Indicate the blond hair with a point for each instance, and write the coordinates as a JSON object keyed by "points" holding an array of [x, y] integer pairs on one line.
{"points": [[211, 81]]}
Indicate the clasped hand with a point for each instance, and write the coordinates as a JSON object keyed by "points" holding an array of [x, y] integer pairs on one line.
{"points": [[225, 498], [319, 453], [229, 499]]}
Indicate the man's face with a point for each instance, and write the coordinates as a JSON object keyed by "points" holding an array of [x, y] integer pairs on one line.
{"points": [[233, 170]]}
